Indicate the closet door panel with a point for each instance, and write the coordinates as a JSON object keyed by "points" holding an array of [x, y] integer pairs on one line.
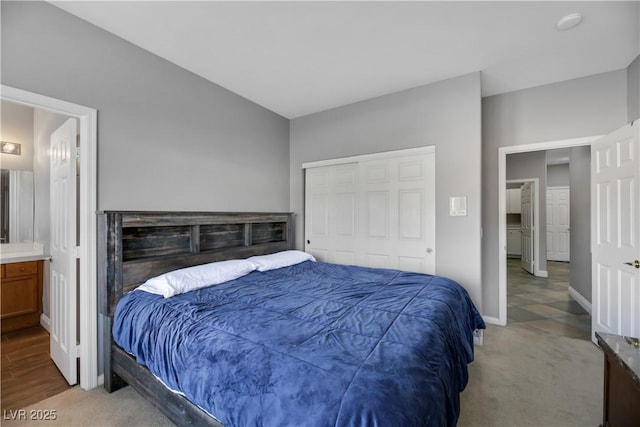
{"points": [[374, 212]]}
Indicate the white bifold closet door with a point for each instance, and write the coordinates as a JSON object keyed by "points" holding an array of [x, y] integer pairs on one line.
{"points": [[374, 210]]}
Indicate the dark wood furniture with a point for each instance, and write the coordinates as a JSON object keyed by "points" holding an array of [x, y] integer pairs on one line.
{"points": [[621, 380], [135, 246], [21, 295]]}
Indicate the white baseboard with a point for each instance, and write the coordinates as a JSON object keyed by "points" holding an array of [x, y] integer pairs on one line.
{"points": [[45, 323], [580, 299], [100, 379], [542, 273], [492, 320]]}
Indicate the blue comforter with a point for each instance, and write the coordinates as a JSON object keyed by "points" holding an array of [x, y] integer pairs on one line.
{"points": [[314, 344]]}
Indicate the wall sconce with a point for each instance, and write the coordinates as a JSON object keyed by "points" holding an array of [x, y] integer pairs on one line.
{"points": [[11, 148]]}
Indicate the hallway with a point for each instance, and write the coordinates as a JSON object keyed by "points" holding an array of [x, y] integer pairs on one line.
{"points": [[544, 304]]}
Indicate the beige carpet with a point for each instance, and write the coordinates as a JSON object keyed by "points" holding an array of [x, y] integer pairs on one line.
{"points": [[520, 378], [525, 378]]}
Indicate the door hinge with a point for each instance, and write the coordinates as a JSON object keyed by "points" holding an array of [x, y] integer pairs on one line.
{"points": [[77, 153], [77, 351], [77, 252]]}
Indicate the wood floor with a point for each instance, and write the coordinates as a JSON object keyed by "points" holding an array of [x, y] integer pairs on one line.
{"points": [[28, 375]]}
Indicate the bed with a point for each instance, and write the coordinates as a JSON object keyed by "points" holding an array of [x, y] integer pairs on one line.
{"points": [[309, 343]]}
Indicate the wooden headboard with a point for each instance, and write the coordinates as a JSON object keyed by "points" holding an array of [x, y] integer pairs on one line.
{"points": [[135, 246]]}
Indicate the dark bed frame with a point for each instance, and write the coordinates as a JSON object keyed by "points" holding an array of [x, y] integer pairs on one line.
{"points": [[135, 246]]}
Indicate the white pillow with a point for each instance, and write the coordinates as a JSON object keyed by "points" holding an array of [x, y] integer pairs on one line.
{"points": [[191, 278], [279, 260]]}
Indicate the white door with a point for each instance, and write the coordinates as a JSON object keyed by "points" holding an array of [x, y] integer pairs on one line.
{"points": [[331, 206], [63, 250], [526, 226], [615, 232], [558, 224], [376, 213]]}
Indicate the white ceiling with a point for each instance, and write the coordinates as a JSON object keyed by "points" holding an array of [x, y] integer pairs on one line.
{"points": [[297, 58]]}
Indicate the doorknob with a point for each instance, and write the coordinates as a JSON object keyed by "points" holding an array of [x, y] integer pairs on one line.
{"points": [[635, 263]]}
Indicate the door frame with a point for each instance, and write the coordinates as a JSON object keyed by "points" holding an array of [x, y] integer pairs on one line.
{"points": [[502, 209], [88, 297]]}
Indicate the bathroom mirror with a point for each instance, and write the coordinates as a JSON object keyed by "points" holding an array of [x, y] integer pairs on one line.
{"points": [[16, 206]]}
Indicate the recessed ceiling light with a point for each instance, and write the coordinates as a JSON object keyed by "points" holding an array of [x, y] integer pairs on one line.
{"points": [[569, 21]]}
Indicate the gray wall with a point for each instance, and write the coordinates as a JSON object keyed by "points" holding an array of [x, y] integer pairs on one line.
{"points": [[580, 244], [633, 90], [444, 114], [533, 165], [594, 105], [558, 175], [167, 139]]}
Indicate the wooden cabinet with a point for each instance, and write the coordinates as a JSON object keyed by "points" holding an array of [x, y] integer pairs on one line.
{"points": [[513, 201], [621, 380], [20, 295]]}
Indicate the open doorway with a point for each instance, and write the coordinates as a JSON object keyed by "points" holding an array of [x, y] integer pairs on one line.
{"points": [[580, 267], [28, 372], [524, 225], [539, 288], [85, 349]]}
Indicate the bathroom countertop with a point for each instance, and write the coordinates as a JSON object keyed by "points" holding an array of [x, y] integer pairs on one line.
{"points": [[21, 257], [623, 351], [21, 252]]}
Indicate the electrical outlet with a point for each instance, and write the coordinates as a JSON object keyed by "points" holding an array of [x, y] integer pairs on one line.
{"points": [[478, 336]]}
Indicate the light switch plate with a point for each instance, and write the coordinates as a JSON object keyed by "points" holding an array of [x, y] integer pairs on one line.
{"points": [[458, 206]]}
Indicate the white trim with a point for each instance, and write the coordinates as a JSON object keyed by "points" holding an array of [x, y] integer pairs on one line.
{"points": [[45, 323], [101, 379], [88, 297], [542, 273], [493, 321], [502, 208], [372, 156], [580, 299]]}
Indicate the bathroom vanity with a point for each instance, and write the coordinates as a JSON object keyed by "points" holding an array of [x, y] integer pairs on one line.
{"points": [[21, 294]]}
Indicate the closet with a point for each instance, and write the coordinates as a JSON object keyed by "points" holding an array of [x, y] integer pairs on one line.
{"points": [[375, 210]]}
